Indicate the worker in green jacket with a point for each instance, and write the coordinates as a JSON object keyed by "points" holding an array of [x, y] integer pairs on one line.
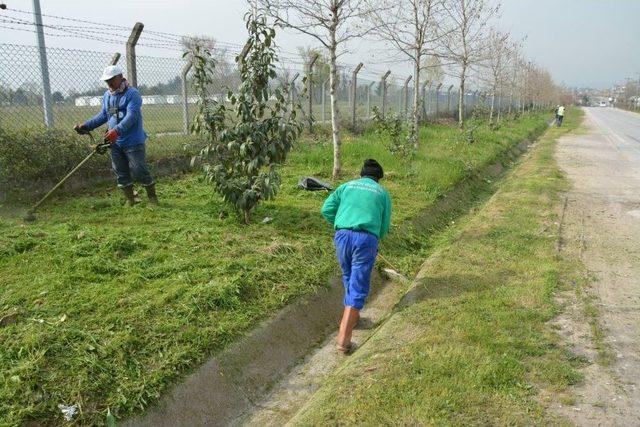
{"points": [[360, 211]]}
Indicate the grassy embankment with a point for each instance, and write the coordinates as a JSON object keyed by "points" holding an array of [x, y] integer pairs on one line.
{"points": [[115, 303], [476, 348]]}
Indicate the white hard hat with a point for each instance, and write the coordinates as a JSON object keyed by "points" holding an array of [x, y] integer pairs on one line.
{"points": [[110, 72]]}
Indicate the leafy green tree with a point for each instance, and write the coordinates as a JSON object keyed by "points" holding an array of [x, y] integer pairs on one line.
{"points": [[57, 97], [246, 141]]}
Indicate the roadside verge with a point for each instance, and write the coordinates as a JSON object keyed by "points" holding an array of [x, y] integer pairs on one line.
{"points": [[471, 343]]}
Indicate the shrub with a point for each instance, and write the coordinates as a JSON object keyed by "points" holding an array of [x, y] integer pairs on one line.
{"points": [[37, 155], [246, 142], [401, 142]]}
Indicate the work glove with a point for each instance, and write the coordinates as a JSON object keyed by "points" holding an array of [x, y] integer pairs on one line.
{"points": [[111, 136], [81, 129]]}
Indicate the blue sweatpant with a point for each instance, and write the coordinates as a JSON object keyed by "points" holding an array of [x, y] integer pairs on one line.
{"points": [[130, 164], [356, 251]]}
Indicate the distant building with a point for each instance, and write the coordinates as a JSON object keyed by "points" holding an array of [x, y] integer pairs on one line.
{"points": [[88, 101]]}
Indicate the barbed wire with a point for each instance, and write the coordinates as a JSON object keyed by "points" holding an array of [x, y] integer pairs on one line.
{"points": [[112, 34]]}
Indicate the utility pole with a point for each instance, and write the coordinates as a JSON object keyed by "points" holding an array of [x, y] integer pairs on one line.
{"points": [[44, 66]]}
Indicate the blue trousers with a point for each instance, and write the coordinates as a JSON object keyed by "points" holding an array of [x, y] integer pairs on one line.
{"points": [[130, 164], [356, 251]]}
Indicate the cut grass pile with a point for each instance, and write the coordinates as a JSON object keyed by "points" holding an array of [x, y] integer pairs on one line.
{"points": [[476, 347], [114, 303]]}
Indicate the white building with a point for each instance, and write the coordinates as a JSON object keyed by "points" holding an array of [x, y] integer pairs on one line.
{"points": [[88, 101]]}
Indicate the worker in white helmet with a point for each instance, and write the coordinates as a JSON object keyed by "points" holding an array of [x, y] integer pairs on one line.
{"points": [[121, 111]]}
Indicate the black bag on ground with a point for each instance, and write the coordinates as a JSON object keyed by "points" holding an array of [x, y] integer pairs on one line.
{"points": [[313, 184]]}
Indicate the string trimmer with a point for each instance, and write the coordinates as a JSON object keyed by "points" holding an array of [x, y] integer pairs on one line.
{"points": [[98, 148]]}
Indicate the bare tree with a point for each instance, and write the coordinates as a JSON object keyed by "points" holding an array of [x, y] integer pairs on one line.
{"points": [[409, 26], [497, 61], [332, 23], [514, 75], [226, 73], [463, 42], [433, 70]]}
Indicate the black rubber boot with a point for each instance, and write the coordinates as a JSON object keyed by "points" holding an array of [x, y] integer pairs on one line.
{"points": [[151, 192], [128, 194]]}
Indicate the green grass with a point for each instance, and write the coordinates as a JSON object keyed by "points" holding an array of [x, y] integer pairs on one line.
{"points": [[477, 347], [168, 118], [157, 118], [115, 303]]}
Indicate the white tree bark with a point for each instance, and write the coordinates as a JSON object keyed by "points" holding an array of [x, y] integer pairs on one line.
{"points": [[493, 103], [331, 23], [335, 124], [461, 97], [416, 98]]}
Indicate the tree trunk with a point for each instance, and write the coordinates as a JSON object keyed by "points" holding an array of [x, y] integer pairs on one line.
{"points": [[461, 98], [493, 105], [416, 99], [335, 125]]}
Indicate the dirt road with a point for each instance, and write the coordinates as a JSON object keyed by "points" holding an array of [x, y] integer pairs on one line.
{"points": [[603, 223]]}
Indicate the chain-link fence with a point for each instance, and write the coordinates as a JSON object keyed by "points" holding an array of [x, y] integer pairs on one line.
{"points": [[164, 83], [76, 89]]}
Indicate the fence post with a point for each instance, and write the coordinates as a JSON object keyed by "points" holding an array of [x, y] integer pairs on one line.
{"points": [[510, 102], [475, 98], [292, 90], [369, 99], [406, 96], [44, 66], [354, 93], [424, 100], [429, 97], [438, 99], [383, 87], [324, 93], [310, 90], [132, 74], [115, 58], [243, 54], [185, 97], [449, 99]]}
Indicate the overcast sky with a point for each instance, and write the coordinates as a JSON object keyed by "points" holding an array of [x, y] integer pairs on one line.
{"points": [[581, 42]]}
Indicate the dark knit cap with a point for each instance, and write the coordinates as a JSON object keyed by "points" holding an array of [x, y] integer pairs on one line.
{"points": [[372, 168]]}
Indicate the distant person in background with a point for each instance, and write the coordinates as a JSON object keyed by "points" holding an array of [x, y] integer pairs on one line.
{"points": [[560, 115], [121, 110], [360, 212]]}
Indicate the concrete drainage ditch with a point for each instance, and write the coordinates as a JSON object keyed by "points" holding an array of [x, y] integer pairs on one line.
{"points": [[266, 377]]}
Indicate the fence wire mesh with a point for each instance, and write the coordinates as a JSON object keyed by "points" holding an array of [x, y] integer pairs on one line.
{"points": [[76, 89]]}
